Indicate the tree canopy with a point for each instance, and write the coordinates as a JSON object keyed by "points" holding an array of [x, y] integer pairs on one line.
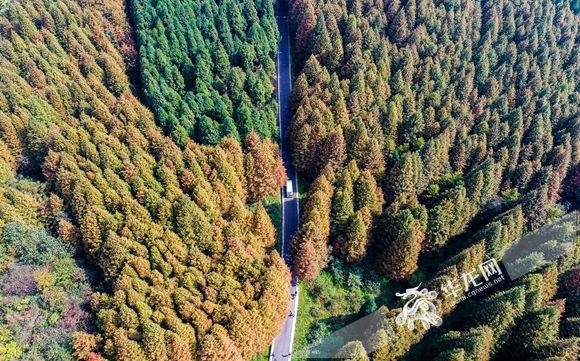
{"points": [[188, 269], [446, 104], [206, 67]]}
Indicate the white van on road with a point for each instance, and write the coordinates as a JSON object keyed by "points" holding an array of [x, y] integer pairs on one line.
{"points": [[289, 189]]}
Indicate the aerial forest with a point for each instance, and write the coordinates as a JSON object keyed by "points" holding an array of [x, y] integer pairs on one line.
{"points": [[141, 176], [181, 267], [440, 129], [420, 116]]}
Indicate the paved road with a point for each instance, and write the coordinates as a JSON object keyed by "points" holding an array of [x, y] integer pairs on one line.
{"points": [[282, 346]]}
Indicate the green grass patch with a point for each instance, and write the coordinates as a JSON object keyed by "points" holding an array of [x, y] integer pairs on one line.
{"points": [[273, 206], [303, 188], [341, 294], [305, 320], [264, 356]]}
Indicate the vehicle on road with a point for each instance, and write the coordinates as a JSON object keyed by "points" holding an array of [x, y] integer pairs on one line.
{"points": [[289, 189]]}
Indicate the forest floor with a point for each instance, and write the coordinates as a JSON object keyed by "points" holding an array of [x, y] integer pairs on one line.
{"points": [[341, 294]]}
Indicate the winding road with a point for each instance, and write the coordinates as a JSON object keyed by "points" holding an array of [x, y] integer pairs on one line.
{"points": [[281, 349]]}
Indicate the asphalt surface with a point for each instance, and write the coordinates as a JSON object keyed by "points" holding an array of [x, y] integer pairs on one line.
{"points": [[281, 349]]}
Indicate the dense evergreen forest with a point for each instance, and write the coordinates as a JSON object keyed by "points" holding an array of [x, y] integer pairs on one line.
{"points": [[437, 126], [182, 268], [207, 67]]}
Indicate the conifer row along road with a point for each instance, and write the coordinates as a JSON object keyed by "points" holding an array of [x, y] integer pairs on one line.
{"points": [[281, 349]]}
